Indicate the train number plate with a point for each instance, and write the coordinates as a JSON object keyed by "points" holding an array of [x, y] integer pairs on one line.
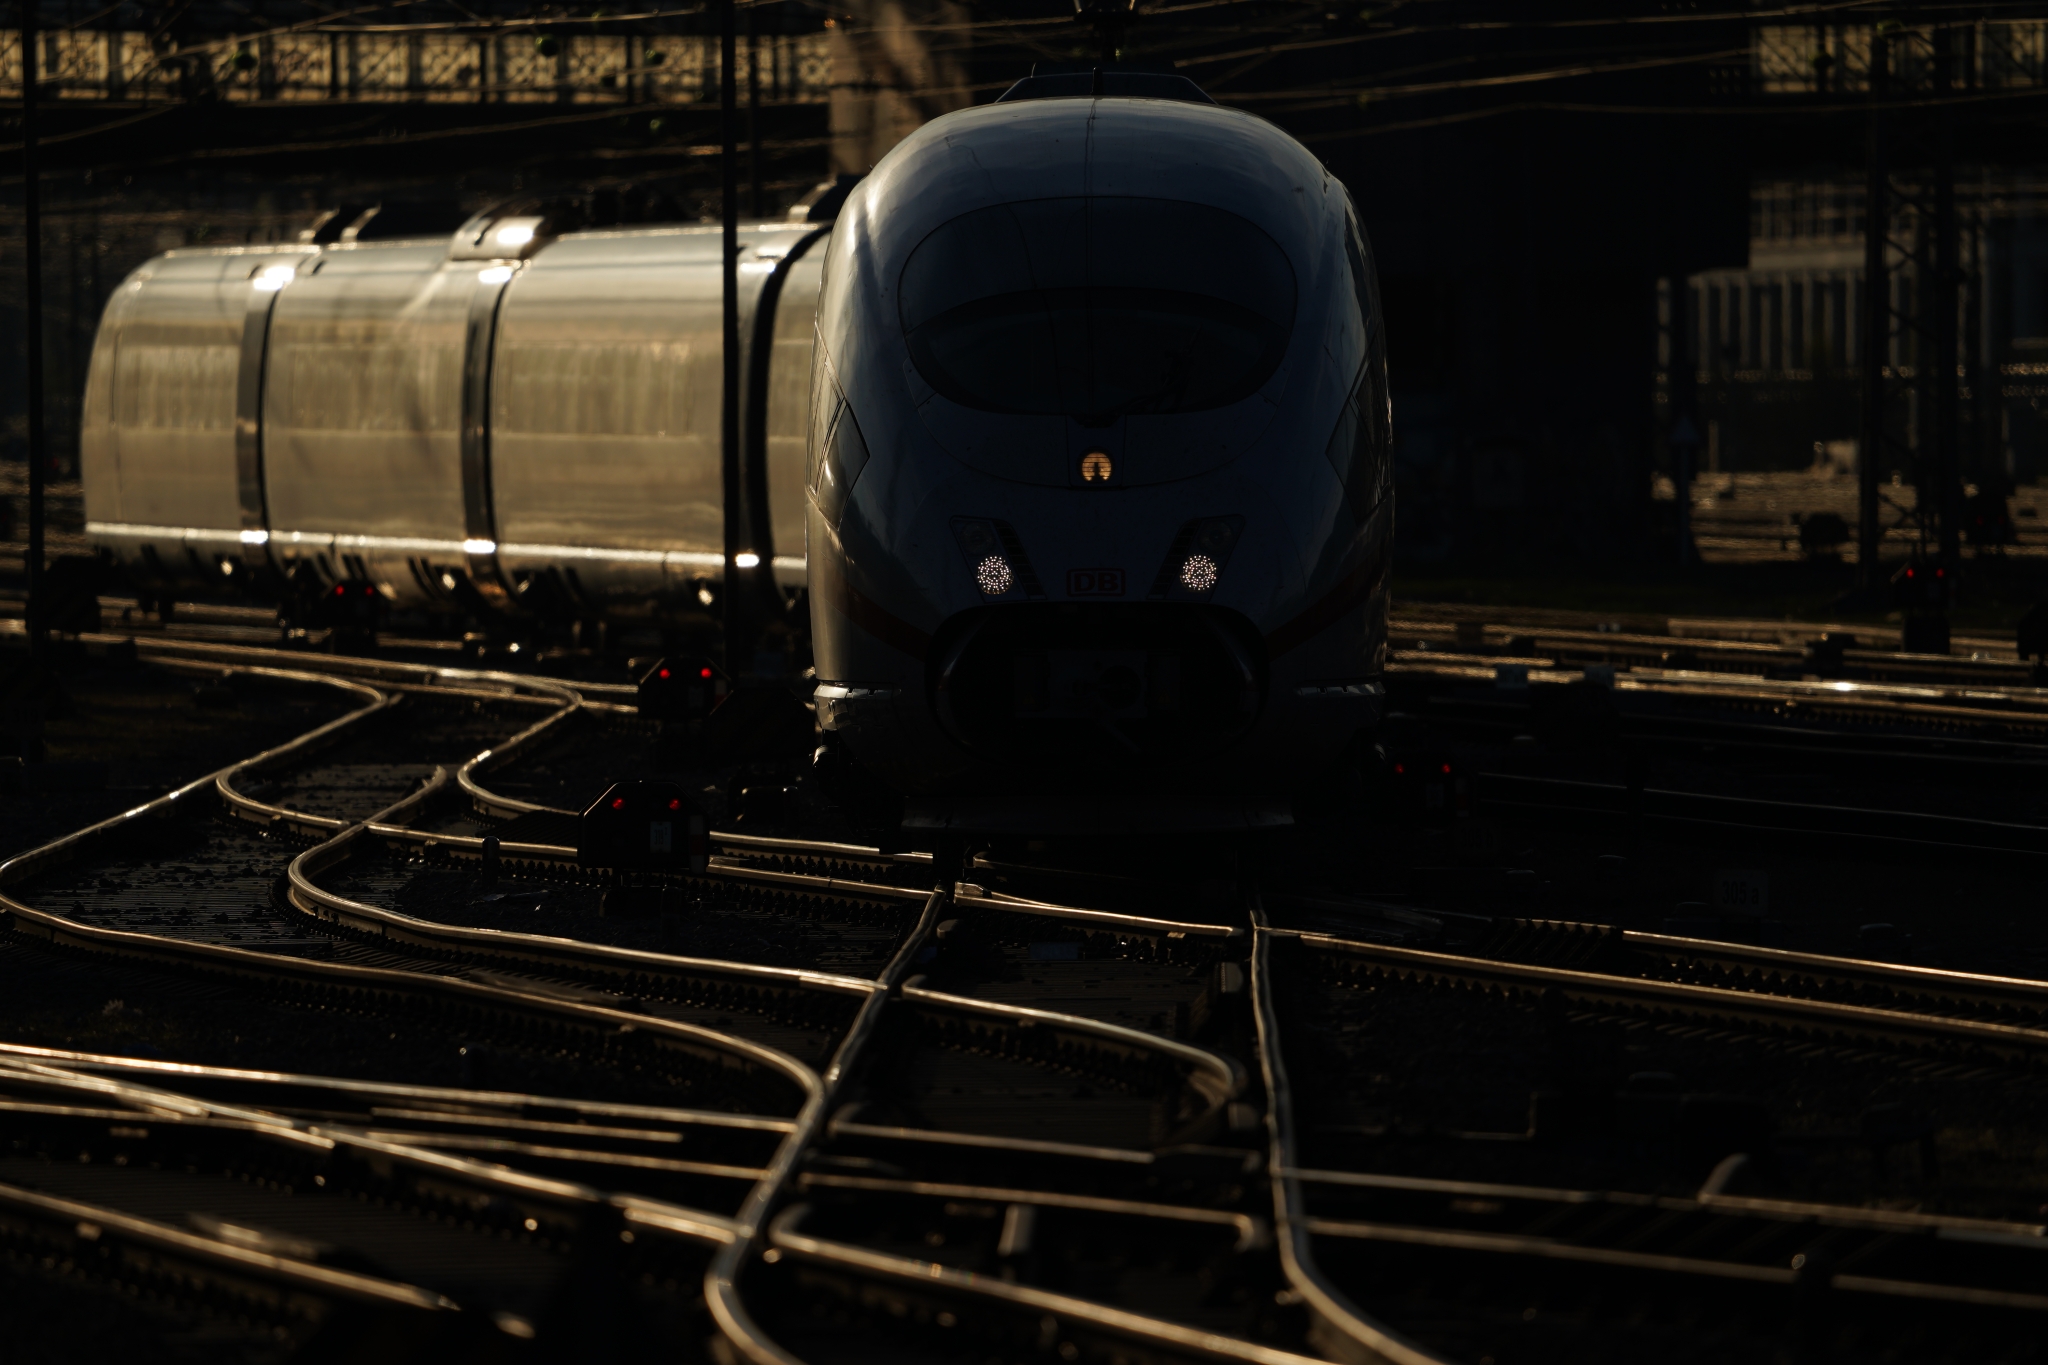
{"points": [[1742, 891], [1095, 582]]}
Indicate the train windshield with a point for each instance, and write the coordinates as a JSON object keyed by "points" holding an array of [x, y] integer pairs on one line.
{"points": [[1097, 307]]}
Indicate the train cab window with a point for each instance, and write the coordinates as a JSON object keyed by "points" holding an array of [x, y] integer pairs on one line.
{"points": [[1097, 307], [838, 458]]}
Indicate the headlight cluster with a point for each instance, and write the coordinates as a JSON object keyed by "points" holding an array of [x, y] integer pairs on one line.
{"points": [[994, 576]]}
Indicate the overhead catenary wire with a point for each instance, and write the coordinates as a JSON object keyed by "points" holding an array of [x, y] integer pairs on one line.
{"points": [[1639, 110]]}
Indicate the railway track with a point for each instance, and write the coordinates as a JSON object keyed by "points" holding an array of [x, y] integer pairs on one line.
{"points": [[847, 1108], [1743, 1146], [1762, 649], [962, 1070]]}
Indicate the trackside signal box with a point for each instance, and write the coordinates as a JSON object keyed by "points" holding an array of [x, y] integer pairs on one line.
{"points": [[681, 689], [644, 826], [1921, 585]]}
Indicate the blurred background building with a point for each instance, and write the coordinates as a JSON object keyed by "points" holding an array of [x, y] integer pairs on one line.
{"points": [[1599, 224]]}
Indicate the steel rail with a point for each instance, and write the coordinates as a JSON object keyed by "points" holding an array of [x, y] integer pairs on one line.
{"points": [[348, 980], [1512, 635], [1918, 829], [306, 823], [1339, 1327], [458, 1104], [1672, 1000], [1217, 1078], [965, 895], [1679, 631], [1784, 971], [840, 1128], [1568, 647], [1787, 737], [64, 849], [491, 803], [1929, 695], [394, 670], [1065, 1311], [1901, 1221], [503, 1147], [159, 1105], [526, 950], [721, 1278], [1252, 1232], [211, 959], [1614, 1240], [821, 848], [1548, 1248], [1737, 627], [208, 1257], [2005, 993], [830, 886], [1888, 700], [1100, 919]]}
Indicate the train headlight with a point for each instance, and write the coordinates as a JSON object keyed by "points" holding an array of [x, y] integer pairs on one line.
{"points": [[994, 576], [273, 278], [1196, 559], [1096, 467], [994, 558]]}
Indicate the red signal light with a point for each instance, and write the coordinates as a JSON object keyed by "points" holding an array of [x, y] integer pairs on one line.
{"points": [[703, 672], [1399, 769], [1447, 770], [675, 803], [664, 673], [339, 589], [618, 803]]}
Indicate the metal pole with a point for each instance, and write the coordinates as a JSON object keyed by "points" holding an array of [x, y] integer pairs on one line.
{"points": [[32, 320], [1947, 276], [753, 113], [1681, 384], [729, 408], [1876, 328], [1681, 480]]}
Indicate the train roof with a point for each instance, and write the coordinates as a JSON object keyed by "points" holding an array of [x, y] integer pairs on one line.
{"points": [[1054, 148]]}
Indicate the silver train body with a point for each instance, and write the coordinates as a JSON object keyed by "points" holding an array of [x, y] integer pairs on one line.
{"points": [[451, 420], [1099, 505]]}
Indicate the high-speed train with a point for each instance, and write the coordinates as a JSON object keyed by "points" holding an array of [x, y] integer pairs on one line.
{"points": [[517, 418], [1075, 424], [1099, 514]]}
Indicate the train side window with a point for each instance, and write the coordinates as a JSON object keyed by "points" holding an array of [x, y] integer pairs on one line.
{"points": [[1359, 447], [842, 456], [1365, 283]]}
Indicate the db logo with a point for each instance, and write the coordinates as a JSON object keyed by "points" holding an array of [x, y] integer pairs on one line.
{"points": [[1095, 582]]}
